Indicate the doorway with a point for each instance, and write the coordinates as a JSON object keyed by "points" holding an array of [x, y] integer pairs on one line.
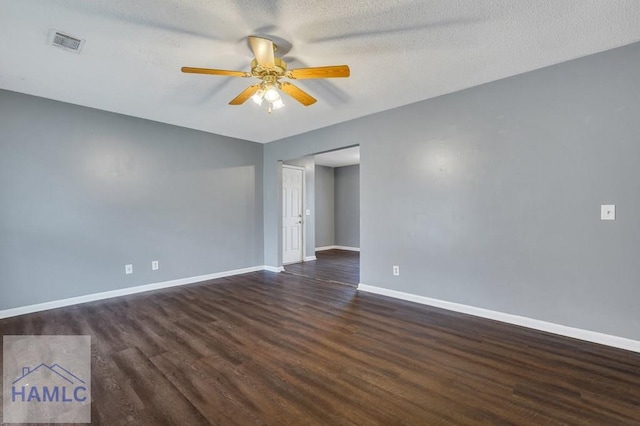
{"points": [[329, 216]]}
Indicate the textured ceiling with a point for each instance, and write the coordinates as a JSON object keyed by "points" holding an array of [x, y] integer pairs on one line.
{"points": [[399, 52]]}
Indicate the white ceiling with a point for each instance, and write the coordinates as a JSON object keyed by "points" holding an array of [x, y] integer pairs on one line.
{"points": [[399, 52], [339, 158]]}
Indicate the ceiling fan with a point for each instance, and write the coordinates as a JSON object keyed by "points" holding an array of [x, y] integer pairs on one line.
{"points": [[270, 70]]}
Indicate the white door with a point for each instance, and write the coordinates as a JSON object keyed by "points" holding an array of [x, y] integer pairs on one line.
{"points": [[292, 179]]}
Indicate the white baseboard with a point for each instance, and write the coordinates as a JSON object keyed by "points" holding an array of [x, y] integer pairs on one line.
{"points": [[309, 258], [273, 268], [337, 248], [563, 330], [22, 310], [348, 248]]}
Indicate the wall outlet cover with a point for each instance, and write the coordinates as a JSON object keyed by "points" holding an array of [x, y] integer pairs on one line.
{"points": [[608, 212]]}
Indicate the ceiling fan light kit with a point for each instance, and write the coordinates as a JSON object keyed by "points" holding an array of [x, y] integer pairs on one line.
{"points": [[268, 93], [270, 70]]}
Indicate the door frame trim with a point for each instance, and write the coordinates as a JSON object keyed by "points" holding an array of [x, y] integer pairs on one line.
{"points": [[304, 210]]}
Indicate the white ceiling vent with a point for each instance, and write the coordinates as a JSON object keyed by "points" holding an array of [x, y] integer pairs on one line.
{"points": [[65, 41]]}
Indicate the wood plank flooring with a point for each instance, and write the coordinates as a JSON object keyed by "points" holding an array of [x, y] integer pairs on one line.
{"points": [[341, 266], [280, 349]]}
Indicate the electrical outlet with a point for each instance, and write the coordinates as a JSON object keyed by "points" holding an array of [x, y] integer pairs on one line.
{"points": [[608, 212], [396, 270], [128, 269], [154, 265]]}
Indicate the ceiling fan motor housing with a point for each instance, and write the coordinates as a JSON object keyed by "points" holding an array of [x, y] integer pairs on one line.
{"points": [[269, 73]]}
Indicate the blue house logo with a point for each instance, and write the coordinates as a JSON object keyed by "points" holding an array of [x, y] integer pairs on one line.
{"points": [[46, 379], [48, 383]]}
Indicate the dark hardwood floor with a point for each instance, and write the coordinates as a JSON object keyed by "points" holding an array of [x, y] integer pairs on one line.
{"points": [[341, 266], [280, 349]]}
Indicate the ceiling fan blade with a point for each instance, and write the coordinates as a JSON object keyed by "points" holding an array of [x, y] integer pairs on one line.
{"points": [[246, 94], [334, 71], [215, 72], [298, 94], [263, 51]]}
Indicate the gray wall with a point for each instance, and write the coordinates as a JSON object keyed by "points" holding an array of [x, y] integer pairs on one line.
{"points": [[84, 192], [347, 206], [325, 209], [490, 196]]}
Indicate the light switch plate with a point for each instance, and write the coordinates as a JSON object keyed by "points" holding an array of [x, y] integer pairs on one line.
{"points": [[308, 212], [608, 212]]}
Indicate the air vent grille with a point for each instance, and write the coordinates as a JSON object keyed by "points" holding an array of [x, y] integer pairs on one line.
{"points": [[65, 41]]}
